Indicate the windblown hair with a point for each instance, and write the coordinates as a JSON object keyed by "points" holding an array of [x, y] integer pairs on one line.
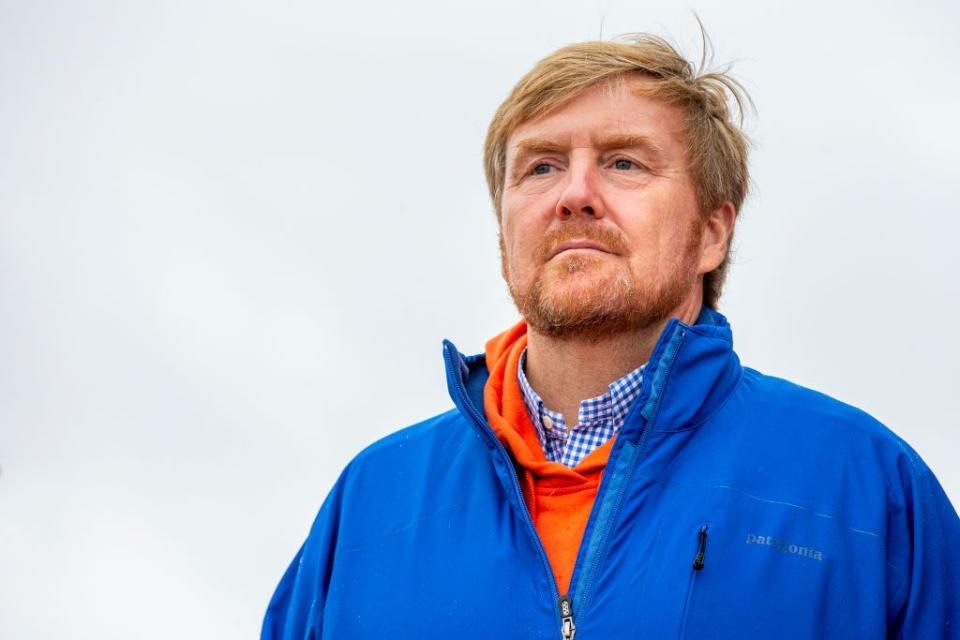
{"points": [[715, 144]]}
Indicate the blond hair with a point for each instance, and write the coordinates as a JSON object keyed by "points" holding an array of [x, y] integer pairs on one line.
{"points": [[716, 147]]}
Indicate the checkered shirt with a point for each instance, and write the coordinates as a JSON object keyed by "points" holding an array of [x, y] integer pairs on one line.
{"points": [[599, 418]]}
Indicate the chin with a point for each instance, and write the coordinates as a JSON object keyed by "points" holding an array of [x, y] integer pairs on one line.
{"points": [[592, 282], [594, 306], [584, 295]]}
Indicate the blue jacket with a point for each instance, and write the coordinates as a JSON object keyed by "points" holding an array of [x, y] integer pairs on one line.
{"points": [[734, 505]]}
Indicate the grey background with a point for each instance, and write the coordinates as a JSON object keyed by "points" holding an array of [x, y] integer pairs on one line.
{"points": [[232, 236]]}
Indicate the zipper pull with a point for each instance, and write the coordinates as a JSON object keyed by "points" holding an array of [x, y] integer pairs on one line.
{"points": [[701, 548], [567, 628]]}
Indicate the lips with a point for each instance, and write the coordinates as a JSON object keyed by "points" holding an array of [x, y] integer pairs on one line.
{"points": [[578, 244]]}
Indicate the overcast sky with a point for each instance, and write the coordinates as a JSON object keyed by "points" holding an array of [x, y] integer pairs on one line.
{"points": [[233, 235]]}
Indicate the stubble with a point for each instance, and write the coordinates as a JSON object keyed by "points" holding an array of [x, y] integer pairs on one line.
{"points": [[605, 304]]}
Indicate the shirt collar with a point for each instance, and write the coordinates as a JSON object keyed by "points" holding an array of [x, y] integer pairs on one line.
{"points": [[611, 406]]}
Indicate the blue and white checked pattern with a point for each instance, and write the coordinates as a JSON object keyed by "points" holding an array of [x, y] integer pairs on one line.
{"points": [[599, 419]]}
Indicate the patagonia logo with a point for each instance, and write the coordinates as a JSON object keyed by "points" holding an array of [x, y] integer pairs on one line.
{"points": [[785, 547]]}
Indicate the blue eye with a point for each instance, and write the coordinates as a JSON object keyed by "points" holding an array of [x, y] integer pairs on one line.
{"points": [[541, 169], [623, 164]]}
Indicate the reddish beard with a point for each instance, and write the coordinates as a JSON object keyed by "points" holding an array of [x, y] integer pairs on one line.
{"points": [[607, 305]]}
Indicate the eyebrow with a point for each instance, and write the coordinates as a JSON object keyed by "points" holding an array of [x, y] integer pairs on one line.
{"points": [[630, 141], [534, 146]]}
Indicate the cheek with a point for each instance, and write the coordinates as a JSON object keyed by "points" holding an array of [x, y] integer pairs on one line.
{"points": [[522, 235], [653, 252], [513, 250], [529, 206]]}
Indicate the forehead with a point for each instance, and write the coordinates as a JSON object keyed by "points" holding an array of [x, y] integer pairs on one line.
{"points": [[611, 108]]}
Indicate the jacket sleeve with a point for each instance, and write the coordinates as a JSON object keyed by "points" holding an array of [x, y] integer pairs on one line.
{"points": [[924, 539], [296, 610]]}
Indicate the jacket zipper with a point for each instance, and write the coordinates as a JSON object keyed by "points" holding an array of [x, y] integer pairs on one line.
{"points": [[624, 457], [567, 629], [564, 603], [604, 514]]}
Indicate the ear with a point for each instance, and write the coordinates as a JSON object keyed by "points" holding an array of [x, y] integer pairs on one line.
{"points": [[717, 231]]}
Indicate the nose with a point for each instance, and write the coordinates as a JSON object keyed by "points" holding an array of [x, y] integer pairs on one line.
{"points": [[581, 194]]}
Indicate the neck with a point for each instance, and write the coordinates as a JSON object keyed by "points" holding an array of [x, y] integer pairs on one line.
{"points": [[566, 371]]}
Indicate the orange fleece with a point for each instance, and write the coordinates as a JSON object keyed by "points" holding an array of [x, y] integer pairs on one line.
{"points": [[559, 498]]}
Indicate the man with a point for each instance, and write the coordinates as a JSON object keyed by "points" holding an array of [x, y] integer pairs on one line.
{"points": [[610, 470]]}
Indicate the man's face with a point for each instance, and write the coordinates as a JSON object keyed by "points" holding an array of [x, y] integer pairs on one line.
{"points": [[600, 228]]}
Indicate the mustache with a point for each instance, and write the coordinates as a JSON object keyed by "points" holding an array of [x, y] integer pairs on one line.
{"points": [[612, 239]]}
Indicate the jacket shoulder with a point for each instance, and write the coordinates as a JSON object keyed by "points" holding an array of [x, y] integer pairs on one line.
{"points": [[407, 466], [414, 441], [810, 414]]}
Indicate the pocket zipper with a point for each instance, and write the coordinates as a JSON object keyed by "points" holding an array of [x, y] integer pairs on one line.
{"points": [[701, 548], [698, 564]]}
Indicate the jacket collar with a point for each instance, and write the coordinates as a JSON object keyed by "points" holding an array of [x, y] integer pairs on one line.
{"points": [[692, 371], [689, 375]]}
